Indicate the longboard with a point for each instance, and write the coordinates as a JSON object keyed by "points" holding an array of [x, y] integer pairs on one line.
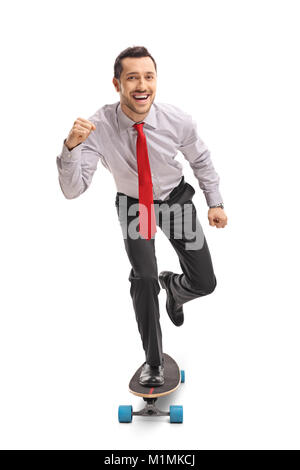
{"points": [[173, 378]]}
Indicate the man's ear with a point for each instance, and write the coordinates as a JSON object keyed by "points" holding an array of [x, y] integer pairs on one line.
{"points": [[116, 84]]}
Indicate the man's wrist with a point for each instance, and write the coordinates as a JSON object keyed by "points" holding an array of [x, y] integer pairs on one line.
{"points": [[221, 205], [69, 148]]}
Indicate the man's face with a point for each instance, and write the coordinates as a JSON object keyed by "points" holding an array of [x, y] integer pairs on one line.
{"points": [[138, 78]]}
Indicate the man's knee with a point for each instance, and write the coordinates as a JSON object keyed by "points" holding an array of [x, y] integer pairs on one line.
{"points": [[204, 288], [212, 286], [146, 280]]}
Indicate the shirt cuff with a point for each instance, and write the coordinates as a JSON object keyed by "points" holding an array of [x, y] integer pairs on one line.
{"points": [[213, 198], [71, 155]]}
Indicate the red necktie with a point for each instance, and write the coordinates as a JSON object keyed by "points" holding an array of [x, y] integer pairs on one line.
{"points": [[147, 222]]}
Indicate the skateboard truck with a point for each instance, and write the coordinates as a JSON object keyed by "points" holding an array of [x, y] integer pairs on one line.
{"points": [[150, 409]]}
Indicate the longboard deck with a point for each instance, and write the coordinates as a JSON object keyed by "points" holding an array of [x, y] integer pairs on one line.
{"points": [[172, 381]]}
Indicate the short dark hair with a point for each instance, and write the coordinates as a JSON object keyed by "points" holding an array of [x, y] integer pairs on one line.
{"points": [[135, 51]]}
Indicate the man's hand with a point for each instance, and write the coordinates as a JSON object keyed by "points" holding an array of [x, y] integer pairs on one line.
{"points": [[79, 133], [217, 217]]}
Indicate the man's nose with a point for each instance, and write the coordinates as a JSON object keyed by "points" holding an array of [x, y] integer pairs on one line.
{"points": [[142, 84]]}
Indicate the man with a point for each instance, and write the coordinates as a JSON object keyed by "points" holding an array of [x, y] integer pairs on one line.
{"points": [[137, 141]]}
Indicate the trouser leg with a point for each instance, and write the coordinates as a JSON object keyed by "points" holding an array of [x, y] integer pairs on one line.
{"points": [[188, 240], [145, 287]]}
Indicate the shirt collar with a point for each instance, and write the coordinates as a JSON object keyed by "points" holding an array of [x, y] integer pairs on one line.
{"points": [[124, 122]]}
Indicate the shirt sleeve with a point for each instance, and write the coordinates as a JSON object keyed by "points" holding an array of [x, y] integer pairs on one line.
{"points": [[197, 154], [77, 167]]}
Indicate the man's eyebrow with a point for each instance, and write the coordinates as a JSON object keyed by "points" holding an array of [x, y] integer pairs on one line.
{"points": [[130, 73]]}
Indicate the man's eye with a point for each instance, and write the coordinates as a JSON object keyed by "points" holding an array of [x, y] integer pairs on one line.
{"points": [[149, 76]]}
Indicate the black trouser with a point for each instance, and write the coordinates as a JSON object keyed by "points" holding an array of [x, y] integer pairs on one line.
{"points": [[187, 238]]}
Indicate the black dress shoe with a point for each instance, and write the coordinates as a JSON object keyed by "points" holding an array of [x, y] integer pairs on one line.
{"points": [[152, 376], [175, 311]]}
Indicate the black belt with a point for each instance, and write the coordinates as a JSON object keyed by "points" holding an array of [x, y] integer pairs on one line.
{"points": [[174, 193]]}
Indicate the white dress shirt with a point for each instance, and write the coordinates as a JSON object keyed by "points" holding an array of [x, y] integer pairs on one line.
{"points": [[168, 130]]}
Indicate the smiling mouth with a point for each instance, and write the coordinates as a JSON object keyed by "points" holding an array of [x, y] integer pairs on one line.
{"points": [[141, 97]]}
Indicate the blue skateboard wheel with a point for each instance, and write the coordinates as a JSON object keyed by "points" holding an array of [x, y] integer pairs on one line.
{"points": [[182, 376], [176, 414], [125, 414]]}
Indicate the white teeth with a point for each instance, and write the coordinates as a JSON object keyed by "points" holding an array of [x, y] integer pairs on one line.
{"points": [[140, 96]]}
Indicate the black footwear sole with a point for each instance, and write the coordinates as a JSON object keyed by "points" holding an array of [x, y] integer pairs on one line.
{"points": [[164, 286], [149, 384]]}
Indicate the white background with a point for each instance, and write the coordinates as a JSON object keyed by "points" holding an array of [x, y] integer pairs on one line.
{"points": [[69, 340]]}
